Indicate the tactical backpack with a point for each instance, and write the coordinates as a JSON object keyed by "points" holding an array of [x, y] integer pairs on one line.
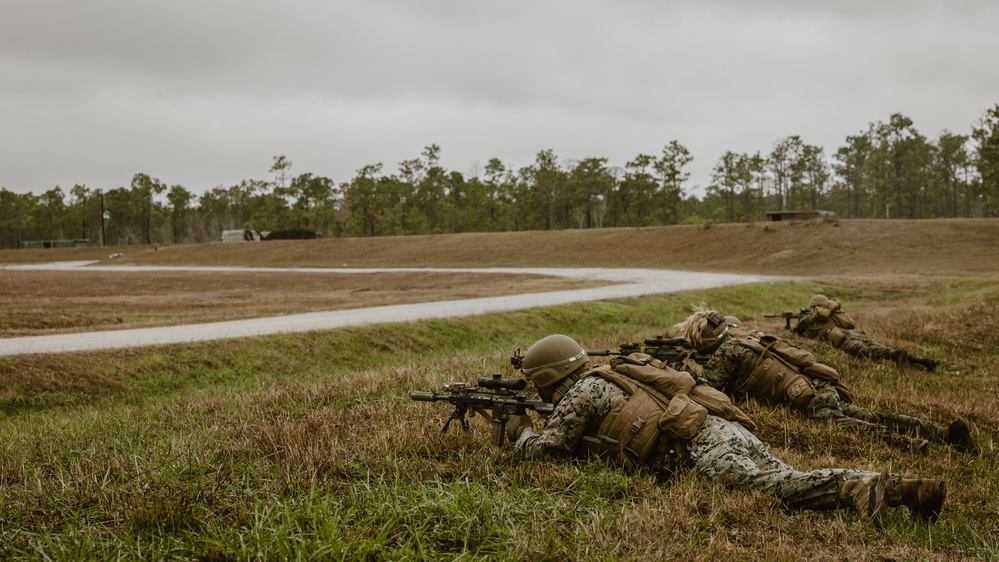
{"points": [[830, 310], [660, 401], [827, 321], [780, 374]]}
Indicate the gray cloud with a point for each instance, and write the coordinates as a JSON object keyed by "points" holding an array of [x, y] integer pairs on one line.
{"points": [[205, 93]]}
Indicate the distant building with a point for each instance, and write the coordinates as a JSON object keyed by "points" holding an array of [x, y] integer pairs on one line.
{"points": [[260, 235], [295, 234], [244, 235], [799, 215]]}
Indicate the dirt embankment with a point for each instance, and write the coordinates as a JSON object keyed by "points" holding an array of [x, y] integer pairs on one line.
{"points": [[820, 247]]}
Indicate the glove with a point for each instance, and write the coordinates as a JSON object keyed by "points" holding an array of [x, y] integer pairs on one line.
{"points": [[516, 425]]}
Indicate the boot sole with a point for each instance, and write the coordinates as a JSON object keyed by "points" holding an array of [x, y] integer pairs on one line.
{"points": [[930, 512], [876, 498]]}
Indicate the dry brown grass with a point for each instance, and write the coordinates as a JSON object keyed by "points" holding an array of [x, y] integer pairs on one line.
{"points": [[819, 247], [47, 302]]}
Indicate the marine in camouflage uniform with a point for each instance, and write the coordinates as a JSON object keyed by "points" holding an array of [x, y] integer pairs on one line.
{"points": [[720, 450], [732, 363], [826, 321]]}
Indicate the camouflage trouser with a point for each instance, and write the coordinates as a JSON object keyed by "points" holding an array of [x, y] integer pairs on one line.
{"points": [[827, 405], [858, 344], [727, 453]]}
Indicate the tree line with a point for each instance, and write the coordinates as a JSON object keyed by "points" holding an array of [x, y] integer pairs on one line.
{"points": [[889, 170]]}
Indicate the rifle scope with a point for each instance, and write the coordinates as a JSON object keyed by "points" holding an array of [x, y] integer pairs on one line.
{"points": [[496, 382], [660, 341]]}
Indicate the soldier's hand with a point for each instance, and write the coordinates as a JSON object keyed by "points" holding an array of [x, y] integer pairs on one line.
{"points": [[516, 425]]}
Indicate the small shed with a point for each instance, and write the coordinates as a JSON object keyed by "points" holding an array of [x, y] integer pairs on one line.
{"points": [[243, 235], [263, 235]]}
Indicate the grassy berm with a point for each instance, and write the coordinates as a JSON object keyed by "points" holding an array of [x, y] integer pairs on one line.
{"points": [[307, 446]]}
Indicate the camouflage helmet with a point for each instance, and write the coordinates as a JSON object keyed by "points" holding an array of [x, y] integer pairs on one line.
{"points": [[713, 332], [550, 360], [817, 300], [705, 329], [733, 321]]}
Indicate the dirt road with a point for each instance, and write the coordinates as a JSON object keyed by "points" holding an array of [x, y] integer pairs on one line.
{"points": [[626, 283]]}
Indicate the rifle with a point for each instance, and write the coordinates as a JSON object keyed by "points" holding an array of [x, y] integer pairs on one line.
{"points": [[671, 351], [496, 406], [787, 315]]}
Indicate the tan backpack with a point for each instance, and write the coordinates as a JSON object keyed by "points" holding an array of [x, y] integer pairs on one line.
{"points": [[797, 359], [660, 401], [830, 310]]}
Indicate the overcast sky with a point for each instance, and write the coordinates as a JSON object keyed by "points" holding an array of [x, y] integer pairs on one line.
{"points": [[204, 93]]}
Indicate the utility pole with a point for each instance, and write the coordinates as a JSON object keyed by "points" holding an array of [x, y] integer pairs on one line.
{"points": [[102, 217]]}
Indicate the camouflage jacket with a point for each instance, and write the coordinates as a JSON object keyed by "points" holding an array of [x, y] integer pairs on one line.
{"points": [[730, 365], [576, 415]]}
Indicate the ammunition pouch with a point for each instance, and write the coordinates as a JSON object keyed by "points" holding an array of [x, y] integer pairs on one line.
{"points": [[682, 418]]}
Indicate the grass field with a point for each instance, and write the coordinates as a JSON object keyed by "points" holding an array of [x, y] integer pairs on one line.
{"points": [[307, 446]]}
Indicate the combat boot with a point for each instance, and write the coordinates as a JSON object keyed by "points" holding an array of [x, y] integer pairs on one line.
{"points": [[959, 435], [924, 497], [915, 445], [866, 496]]}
